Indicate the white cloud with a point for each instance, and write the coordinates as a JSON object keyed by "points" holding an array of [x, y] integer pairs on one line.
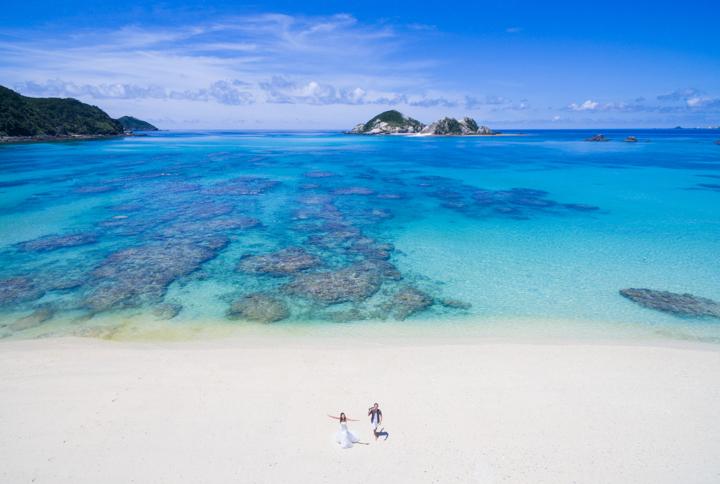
{"points": [[281, 59], [224, 92], [588, 105]]}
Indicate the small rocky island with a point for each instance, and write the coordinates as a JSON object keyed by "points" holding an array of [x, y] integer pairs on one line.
{"points": [[25, 118], [597, 138], [394, 122]]}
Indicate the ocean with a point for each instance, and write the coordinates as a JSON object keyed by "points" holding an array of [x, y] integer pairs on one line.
{"points": [[536, 232]]}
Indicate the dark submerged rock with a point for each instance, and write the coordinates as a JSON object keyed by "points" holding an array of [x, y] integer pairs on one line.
{"points": [[259, 307], [36, 318], [243, 186], [455, 304], [686, 305], [319, 174], [581, 207], [91, 189], [16, 290], [344, 316], [354, 191], [205, 228], [166, 311], [371, 249], [349, 284], [54, 242], [408, 301], [597, 137], [138, 275], [715, 187], [281, 263], [390, 196]]}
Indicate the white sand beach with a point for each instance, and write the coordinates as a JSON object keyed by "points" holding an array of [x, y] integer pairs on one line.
{"points": [[253, 410]]}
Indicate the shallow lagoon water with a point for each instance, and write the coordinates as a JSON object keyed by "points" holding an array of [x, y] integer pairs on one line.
{"points": [[543, 227]]}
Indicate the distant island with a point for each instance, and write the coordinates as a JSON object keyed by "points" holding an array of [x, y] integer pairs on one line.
{"points": [[394, 122], [25, 118], [134, 124]]}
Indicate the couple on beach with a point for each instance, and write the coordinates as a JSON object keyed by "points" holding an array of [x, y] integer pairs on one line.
{"points": [[346, 438]]}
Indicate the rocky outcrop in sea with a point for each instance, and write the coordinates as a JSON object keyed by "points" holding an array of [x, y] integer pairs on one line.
{"points": [[454, 127], [597, 137], [394, 122], [389, 122]]}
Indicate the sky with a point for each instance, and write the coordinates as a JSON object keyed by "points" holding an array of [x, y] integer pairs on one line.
{"points": [[330, 65]]}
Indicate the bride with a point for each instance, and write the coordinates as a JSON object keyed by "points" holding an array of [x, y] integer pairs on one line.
{"points": [[344, 437]]}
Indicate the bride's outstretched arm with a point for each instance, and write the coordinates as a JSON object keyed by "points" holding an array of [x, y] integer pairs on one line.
{"points": [[332, 416]]}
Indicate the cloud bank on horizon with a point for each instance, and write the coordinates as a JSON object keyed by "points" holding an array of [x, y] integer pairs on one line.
{"points": [[273, 70]]}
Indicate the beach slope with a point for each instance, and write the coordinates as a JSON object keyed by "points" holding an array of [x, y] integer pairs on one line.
{"points": [[86, 411]]}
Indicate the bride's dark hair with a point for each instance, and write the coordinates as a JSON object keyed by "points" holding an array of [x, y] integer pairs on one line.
{"points": [[343, 418]]}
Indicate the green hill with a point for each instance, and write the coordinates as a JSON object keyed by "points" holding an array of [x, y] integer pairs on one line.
{"points": [[389, 122], [27, 116], [134, 124]]}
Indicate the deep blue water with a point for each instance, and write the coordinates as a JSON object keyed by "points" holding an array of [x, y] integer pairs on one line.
{"points": [[544, 226]]}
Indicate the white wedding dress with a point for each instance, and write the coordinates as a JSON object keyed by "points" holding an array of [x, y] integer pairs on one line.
{"points": [[344, 437]]}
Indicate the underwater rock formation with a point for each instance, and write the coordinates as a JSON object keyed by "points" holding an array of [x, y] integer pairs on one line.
{"points": [[166, 311], [36, 318], [90, 189], [354, 191], [319, 174], [715, 187], [597, 137], [16, 290], [685, 305], [350, 284], [259, 307], [454, 304], [371, 249], [281, 263], [199, 230], [54, 242], [138, 275], [242, 186], [408, 301]]}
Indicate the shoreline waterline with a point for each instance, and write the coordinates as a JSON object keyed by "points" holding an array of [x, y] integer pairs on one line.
{"points": [[142, 327]]}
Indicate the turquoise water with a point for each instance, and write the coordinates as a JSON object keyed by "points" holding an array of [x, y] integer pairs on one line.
{"points": [[484, 229]]}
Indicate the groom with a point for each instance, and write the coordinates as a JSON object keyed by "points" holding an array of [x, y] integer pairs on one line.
{"points": [[375, 415]]}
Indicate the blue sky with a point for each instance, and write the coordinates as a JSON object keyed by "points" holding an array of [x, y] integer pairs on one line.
{"points": [[312, 64]]}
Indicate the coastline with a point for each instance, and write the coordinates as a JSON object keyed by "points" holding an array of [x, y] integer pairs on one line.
{"points": [[53, 139], [143, 326], [254, 409]]}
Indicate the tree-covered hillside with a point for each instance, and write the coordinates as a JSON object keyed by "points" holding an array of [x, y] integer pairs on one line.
{"points": [[134, 124], [27, 116]]}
